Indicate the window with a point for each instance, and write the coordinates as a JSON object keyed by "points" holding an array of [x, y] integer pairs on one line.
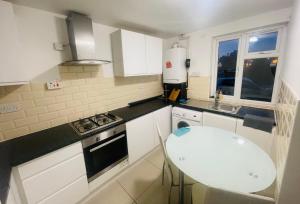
{"points": [[227, 61], [246, 65], [263, 42], [258, 79]]}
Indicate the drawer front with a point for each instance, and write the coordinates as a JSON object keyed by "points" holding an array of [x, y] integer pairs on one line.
{"points": [[72, 193], [44, 184], [42, 163]]}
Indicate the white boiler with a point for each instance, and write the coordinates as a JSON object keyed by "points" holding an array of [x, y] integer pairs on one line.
{"points": [[174, 70]]}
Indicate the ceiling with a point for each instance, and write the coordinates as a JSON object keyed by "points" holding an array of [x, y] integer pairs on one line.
{"points": [[165, 18]]}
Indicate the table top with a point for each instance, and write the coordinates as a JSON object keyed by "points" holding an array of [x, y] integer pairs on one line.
{"points": [[221, 159]]}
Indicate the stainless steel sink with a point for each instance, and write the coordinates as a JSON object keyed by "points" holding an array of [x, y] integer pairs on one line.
{"points": [[226, 108]]}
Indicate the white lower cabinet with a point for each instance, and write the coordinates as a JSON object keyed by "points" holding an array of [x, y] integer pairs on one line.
{"points": [[163, 118], [219, 121], [59, 177], [13, 196], [142, 134], [263, 139], [140, 137], [70, 194]]}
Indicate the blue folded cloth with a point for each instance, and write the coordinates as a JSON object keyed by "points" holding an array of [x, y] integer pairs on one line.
{"points": [[182, 131]]}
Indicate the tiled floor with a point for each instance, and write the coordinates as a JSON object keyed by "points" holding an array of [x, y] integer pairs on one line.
{"points": [[140, 184]]}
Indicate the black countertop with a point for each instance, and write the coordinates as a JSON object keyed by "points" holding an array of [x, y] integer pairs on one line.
{"points": [[131, 112], [207, 106], [23, 149]]}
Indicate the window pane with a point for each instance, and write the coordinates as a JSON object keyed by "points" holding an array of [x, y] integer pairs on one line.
{"points": [[258, 79], [265, 42], [227, 59]]}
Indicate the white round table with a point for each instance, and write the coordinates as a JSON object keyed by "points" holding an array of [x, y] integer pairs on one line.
{"points": [[220, 159]]}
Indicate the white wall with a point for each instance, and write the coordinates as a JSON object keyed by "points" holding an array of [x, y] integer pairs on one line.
{"points": [[291, 69], [201, 41], [38, 30]]}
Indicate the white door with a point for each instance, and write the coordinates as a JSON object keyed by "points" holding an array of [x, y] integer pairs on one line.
{"points": [[219, 121], [134, 53], [162, 118], [153, 55], [140, 137]]}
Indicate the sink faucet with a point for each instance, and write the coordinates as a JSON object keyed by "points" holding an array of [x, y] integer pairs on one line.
{"points": [[218, 97]]}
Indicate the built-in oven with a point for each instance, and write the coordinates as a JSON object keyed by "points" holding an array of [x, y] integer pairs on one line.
{"points": [[105, 150]]}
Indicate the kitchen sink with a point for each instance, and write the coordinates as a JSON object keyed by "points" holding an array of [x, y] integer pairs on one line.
{"points": [[226, 108]]}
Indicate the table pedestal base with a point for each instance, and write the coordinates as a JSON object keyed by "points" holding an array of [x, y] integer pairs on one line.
{"points": [[181, 187]]}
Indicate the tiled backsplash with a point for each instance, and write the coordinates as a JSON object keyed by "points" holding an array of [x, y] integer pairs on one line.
{"points": [[85, 92], [285, 117], [199, 87]]}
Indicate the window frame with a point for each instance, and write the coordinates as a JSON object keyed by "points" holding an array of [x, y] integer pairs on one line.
{"points": [[244, 54], [215, 62]]}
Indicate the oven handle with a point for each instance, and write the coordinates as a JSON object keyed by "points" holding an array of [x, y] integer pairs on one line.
{"points": [[107, 143]]}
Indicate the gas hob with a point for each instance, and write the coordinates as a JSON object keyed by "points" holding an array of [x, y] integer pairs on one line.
{"points": [[94, 123]]}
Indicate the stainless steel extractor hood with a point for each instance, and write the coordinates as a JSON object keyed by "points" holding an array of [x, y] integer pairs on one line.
{"points": [[81, 40]]}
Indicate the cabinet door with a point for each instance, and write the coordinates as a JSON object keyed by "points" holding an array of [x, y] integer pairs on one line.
{"points": [[10, 69], [162, 117], [134, 53], [154, 55], [263, 139], [72, 193], [219, 121], [42, 185], [140, 137]]}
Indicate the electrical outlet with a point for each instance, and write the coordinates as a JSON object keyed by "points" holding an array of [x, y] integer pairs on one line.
{"points": [[8, 108], [55, 84]]}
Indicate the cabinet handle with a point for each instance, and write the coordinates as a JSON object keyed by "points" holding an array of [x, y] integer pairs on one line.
{"points": [[107, 143]]}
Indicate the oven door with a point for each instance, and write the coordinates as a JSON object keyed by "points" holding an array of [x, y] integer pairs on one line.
{"points": [[103, 155]]}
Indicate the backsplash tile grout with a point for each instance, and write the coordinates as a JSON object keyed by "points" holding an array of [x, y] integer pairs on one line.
{"points": [[285, 113], [85, 92]]}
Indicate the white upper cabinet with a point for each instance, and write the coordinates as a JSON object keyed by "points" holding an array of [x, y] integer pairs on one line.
{"points": [[154, 55], [10, 68], [136, 54]]}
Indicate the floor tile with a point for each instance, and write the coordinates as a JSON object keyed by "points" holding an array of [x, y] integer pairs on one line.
{"points": [[156, 158], [155, 194], [136, 180], [112, 194]]}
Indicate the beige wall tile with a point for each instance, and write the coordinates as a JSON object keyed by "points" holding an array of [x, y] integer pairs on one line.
{"points": [[48, 116], [1, 137], [26, 104], [59, 121], [32, 95], [26, 121], [56, 107], [85, 92], [6, 125], [35, 111], [9, 134], [10, 98], [11, 116], [44, 101], [39, 126], [63, 98]]}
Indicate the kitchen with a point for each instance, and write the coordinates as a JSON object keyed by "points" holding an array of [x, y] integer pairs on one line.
{"points": [[86, 95]]}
